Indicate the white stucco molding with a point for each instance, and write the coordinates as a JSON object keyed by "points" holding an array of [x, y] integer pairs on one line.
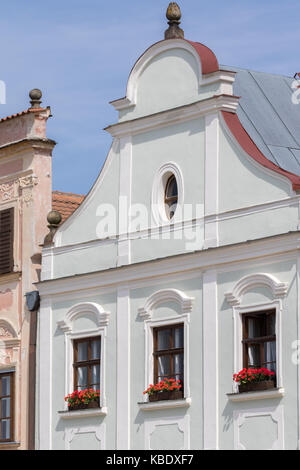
{"points": [[234, 298], [146, 313], [158, 193], [80, 309], [177, 115], [66, 325], [99, 432], [182, 422], [158, 48], [166, 295], [279, 289], [240, 417]]}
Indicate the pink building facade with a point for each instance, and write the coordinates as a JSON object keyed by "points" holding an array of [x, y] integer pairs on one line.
{"points": [[25, 200]]}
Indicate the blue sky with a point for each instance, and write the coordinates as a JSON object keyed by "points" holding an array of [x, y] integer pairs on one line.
{"points": [[80, 54]]}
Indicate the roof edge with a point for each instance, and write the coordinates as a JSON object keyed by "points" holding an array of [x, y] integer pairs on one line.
{"points": [[240, 134]]}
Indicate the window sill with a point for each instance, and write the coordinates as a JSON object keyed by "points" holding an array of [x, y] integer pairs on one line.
{"points": [[261, 395], [165, 404], [78, 414], [9, 445], [12, 276]]}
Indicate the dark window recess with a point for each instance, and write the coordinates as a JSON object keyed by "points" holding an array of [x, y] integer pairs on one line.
{"points": [[171, 197], [87, 353], [7, 407], [259, 340], [6, 241], [169, 353]]}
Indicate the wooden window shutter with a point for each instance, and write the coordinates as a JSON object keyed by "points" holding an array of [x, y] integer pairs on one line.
{"points": [[6, 241]]}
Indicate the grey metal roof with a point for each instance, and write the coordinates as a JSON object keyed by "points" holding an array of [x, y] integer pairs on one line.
{"points": [[269, 116]]}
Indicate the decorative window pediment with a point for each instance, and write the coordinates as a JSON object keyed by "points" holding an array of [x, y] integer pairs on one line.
{"points": [[166, 295], [72, 333], [75, 312], [278, 289]]}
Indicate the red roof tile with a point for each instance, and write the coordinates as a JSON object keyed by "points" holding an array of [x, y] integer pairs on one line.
{"points": [[66, 203], [30, 110]]}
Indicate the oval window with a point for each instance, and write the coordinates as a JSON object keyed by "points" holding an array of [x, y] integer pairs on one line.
{"points": [[171, 197]]}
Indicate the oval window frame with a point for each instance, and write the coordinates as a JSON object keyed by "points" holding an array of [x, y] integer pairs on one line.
{"points": [[161, 179]]}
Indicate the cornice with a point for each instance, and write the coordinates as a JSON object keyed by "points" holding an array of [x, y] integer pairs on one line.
{"points": [[221, 258], [25, 144], [177, 115]]}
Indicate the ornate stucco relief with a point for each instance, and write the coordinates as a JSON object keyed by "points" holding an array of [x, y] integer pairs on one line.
{"points": [[26, 184], [10, 190]]}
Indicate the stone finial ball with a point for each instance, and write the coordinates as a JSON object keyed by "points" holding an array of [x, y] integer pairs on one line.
{"points": [[173, 12], [35, 94], [54, 218]]}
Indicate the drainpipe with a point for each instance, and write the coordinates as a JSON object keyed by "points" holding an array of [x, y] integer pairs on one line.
{"points": [[32, 302]]}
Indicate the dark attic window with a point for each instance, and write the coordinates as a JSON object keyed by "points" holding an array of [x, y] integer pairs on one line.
{"points": [[171, 197], [6, 241]]}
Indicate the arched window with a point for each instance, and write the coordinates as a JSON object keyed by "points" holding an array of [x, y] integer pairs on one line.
{"points": [[171, 197]]}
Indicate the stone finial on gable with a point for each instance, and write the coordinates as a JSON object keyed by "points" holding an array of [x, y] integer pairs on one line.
{"points": [[35, 96], [174, 16], [54, 219]]}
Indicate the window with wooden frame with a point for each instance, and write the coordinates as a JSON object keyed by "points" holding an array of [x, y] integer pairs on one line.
{"points": [[168, 353], [259, 340], [7, 407], [87, 354], [171, 197], [6, 241]]}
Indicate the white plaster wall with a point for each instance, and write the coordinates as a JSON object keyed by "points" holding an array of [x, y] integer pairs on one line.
{"points": [[61, 426], [83, 225], [169, 80], [285, 271]]}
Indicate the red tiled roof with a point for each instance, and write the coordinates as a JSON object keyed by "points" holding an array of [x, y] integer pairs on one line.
{"points": [[30, 110], [66, 203]]}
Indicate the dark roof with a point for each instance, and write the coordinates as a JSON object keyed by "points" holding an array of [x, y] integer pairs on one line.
{"points": [[269, 116]]}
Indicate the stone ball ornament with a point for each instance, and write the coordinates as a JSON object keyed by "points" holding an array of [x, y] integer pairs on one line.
{"points": [[54, 218], [35, 94]]}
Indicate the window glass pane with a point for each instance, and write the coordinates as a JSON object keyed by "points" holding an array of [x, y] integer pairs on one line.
{"points": [[5, 386], [82, 377], [272, 324], [172, 190], [5, 408], [5, 429], [163, 340], [95, 374], [178, 364], [95, 349], [163, 366], [171, 197], [254, 356], [83, 351], [255, 327], [178, 337], [270, 355]]}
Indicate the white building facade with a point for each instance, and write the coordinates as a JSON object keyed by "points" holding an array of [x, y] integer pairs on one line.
{"points": [[127, 270]]}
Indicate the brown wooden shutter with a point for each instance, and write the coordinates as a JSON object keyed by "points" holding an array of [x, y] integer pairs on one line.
{"points": [[6, 241]]}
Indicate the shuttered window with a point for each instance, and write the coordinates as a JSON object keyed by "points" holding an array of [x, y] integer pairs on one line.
{"points": [[6, 240]]}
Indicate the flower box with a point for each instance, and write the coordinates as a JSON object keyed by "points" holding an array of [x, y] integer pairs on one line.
{"points": [[255, 380], [83, 400], [166, 389], [82, 406], [256, 386], [174, 395]]}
